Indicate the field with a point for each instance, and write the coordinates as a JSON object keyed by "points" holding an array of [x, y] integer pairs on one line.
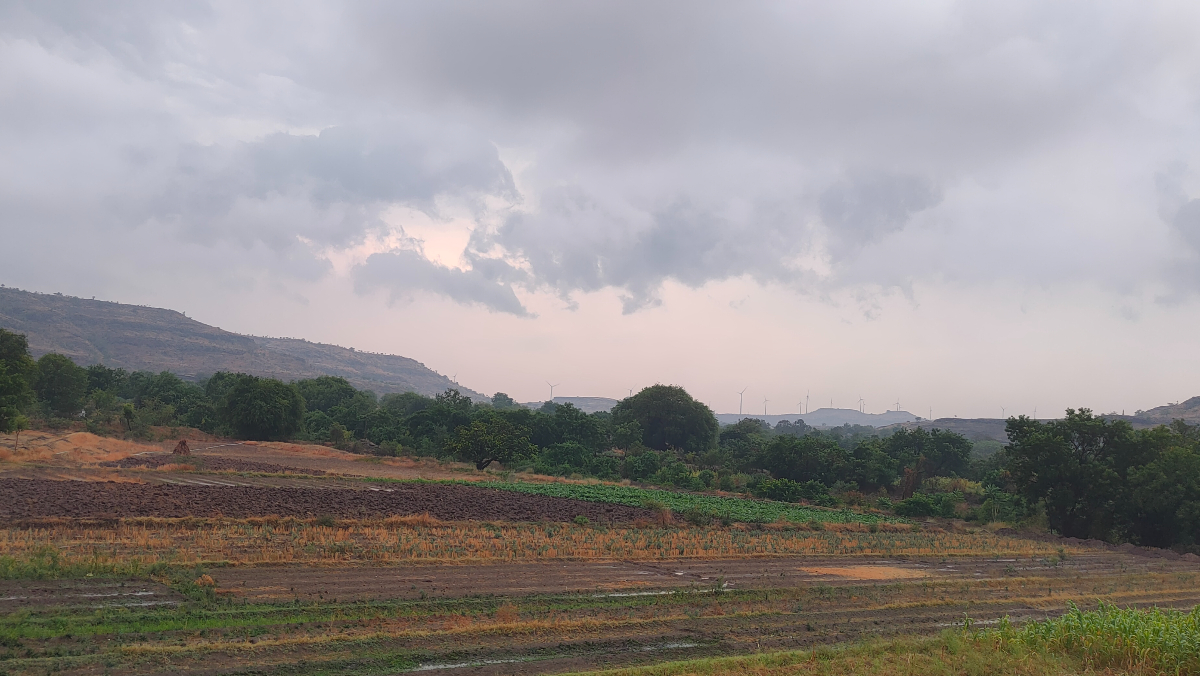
{"points": [[279, 558]]}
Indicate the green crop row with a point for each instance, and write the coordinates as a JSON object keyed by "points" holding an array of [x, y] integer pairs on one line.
{"points": [[1142, 641], [729, 508]]}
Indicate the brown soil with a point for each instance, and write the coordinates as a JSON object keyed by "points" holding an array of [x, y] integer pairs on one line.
{"points": [[210, 463], [32, 498], [639, 578]]}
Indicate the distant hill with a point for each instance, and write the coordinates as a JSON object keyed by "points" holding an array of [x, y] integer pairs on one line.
{"points": [[827, 417], [585, 404], [1188, 411], [140, 338], [975, 429]]}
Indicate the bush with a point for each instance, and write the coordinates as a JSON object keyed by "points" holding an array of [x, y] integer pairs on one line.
{"points": [[921, 504], [698, 516], [642, 466], [786, 490]]}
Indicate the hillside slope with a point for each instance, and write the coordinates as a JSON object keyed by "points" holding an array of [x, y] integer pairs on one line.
{"points": [[140, 338]]}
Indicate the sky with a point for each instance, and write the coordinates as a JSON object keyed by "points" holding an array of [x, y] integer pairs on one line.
{"points": [[964, 208]]}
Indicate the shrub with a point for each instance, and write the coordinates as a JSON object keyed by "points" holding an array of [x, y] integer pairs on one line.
{"points": [[921, 504], [786, 490]]}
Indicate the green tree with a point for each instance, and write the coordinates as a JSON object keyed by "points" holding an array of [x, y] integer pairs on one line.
{"points": [[262, 408], [809, 458], [61, 384], [491, 439], [15, 370], [503, 402], [669, 418], [1074, 466], [935, 453], [325, 392], [101, 377]]}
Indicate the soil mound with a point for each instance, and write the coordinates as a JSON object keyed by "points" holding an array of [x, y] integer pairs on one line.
{"points": [[39, 498], [211, 463]]}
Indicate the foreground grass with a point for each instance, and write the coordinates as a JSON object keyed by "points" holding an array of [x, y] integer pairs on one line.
{"points": [[1106, 640], [944, 655], [1166, 641], [146, 542]]}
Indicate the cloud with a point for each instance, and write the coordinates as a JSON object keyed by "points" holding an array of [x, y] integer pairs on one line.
{"points": [[615, 147], [401, 273]]}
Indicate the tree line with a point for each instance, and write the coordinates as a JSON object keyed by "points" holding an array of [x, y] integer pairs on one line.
{"points": [[1083, 476]]}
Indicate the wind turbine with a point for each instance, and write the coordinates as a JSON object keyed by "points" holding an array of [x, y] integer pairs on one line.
{"points": [[765, 400], [1002, 416], [740, 398], [862, 405], [552, 390], [806, 393]]}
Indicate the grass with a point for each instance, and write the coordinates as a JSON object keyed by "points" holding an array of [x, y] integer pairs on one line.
{"points": [[1153, 641], [1106, 640], [143, 542], [728, 508], [944, 655]]}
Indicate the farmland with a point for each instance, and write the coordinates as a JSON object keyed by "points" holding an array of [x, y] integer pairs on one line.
{"points": [[322, 563], [726, 508]]}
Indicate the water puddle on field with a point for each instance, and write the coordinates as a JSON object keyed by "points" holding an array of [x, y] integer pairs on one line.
{"points": [[515, 660]]}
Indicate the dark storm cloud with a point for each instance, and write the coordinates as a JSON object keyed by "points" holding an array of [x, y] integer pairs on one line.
{"points": [[617, 145]]}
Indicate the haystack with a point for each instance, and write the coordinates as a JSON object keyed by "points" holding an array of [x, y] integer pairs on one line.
{"points": [[181, 448]]}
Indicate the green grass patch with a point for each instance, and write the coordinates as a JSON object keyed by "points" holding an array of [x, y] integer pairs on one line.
{"points": [[715, 507], [1154, 641], [719, 507]]}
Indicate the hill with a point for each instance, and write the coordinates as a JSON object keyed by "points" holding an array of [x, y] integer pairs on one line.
{"points": [[140, 338], [1188, 411], [827, 417], [585, 404]]}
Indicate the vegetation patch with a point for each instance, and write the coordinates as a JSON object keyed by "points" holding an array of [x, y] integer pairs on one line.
{"points": [[731, 509]]}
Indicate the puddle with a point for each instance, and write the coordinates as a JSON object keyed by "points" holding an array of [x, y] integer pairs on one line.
{"points": [[516, 660]]}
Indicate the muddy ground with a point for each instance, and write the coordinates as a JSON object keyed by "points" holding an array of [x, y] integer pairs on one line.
{"points": [[632, 578], [508, 619], [33, 498], [205, 463]]}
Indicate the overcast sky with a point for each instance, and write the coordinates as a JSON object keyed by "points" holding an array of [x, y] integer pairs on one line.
{"points": [[955, 206]]}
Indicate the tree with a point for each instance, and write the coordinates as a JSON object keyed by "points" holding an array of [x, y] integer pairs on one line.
{"points": [[503, 402], [669, 418], [262, 408], [1074, 466], [61, 384], [18, 424], [101, 377], [15, 367], [491, 439], [325, 392], [936, 453], [803, 459]]}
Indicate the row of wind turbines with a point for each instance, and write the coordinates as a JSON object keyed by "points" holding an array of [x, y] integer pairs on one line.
{"points": [[802, 405]]}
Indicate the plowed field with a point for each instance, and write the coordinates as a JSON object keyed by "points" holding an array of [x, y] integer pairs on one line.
{"points": [[32, 498], [211, 463]]}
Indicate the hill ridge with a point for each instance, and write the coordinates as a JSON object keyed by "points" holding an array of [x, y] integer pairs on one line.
{"points": [[145, 338]]}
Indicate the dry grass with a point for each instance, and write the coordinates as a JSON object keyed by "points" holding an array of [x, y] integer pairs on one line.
{"points": [[422, 538]]}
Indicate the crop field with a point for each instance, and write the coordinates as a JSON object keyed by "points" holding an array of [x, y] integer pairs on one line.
{"points": [[271, 541], [211, 567], [726, 508]]}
